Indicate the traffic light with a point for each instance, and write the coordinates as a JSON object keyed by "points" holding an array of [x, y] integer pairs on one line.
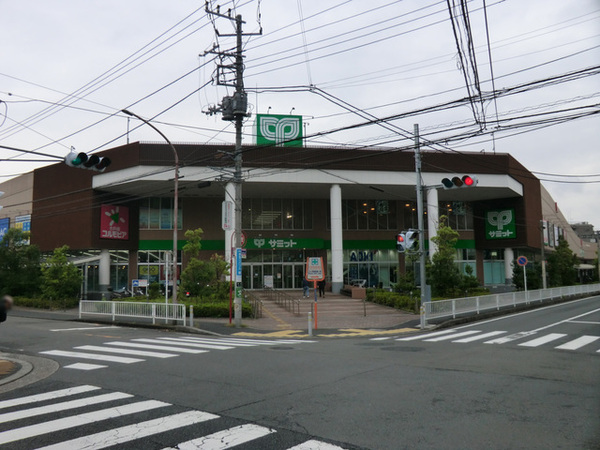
{"points": [[410, 239], [401, 242], [460, 182], [91, 162]]}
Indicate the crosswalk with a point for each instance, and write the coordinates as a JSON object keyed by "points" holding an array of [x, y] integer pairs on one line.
{"points": [[88, 417], [526, 339], [142, 349]]}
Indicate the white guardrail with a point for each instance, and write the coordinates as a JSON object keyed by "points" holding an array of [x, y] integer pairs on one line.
{"points": [[475, 305], [154, 311]]}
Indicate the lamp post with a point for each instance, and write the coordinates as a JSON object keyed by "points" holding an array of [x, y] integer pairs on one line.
{"points": [[175, 202]]}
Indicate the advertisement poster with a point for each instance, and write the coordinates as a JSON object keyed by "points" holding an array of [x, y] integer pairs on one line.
{"points": [[114, 222]]}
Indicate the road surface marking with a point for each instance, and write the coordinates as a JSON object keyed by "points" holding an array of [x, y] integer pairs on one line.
{"points": [[586, 322], [94, 356], [511, 337], [542, 340], [62, 406], [156, 347], [84, 366], [479, 337], [47, 396], [425, 336], [82, 329], [452, 336], [131, 432], [53, 426], [382, 338], [567, 320], [315, 445], [186, 343], [578, 343], [126, 351], [227, 438]]}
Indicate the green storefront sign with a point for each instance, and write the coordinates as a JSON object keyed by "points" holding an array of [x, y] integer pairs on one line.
{"points": [[500, 224], [278, 130]]}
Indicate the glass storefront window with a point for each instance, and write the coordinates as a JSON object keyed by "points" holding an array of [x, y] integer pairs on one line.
{"points": [[276, 214], [157, 214], [367, 215], [460, 214]]}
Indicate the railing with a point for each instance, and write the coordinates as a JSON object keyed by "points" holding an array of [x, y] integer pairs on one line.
{"points": [[475, 305], [154, 311], [255, 303], [283, 299]]}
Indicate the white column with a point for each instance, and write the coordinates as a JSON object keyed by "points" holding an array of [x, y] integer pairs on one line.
{"points": [[337, 250], [509, 258], [230, 196], [433, 218], [104, 272]]}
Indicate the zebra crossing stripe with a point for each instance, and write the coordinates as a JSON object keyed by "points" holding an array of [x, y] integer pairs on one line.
{"points": [[156, 347], [511, 337], [53, 426], [131, 432], [479, 337], [186, 343], [315, 445], [47, 396], [63, 406], [93, 356], [542, 340], [227, 438], [224, 342], [84, 366], [578, 343], [381, 338], [125, 351], [452, 336], [425, 336]]}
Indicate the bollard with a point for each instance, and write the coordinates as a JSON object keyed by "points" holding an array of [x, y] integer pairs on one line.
{"points": [[310, 330], [192, 316]]}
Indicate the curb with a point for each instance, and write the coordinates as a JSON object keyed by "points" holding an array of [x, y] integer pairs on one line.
{"points": [[31, 369]]}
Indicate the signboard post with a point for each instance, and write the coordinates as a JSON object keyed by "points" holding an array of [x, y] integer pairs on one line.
{"points": [[522, 261], [315, 273]]}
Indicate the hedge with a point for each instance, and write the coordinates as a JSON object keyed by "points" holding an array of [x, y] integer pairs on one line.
{"points": [[393, 299]]}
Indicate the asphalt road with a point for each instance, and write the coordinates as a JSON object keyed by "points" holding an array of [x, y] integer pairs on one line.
{"points": [[530, 380]]}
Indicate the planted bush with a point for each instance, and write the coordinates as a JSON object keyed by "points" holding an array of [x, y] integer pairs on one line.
{"points": [[392, 299]]}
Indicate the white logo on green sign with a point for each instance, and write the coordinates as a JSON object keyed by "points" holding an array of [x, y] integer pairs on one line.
{"points": [[500, 224], [282, 131]]}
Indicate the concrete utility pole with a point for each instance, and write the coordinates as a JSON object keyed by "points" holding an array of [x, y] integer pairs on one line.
{"points": [[424, 288], [234, 108], [544, 284]]}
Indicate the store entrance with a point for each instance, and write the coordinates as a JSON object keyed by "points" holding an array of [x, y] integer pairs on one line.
{"points": [[276, 275]]}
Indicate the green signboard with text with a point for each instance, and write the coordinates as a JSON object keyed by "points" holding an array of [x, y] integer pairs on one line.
{"points": [[500, 224], [279, 130]]}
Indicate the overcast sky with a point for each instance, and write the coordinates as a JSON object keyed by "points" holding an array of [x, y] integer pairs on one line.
{"points": [[69, 66]]}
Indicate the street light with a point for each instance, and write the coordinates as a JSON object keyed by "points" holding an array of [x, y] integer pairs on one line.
{"points": [[175, 202]]}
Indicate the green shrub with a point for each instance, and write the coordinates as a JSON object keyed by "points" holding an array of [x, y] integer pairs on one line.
{"points": [[43, 303], [217, 309], [392, 299]]}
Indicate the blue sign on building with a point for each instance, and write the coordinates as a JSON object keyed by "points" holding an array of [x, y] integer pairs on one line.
{"points": [[4, 226]]}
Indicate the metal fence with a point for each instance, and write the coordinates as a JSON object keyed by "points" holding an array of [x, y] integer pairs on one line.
{"points": [[283, 299], [475, 305], [154, 311], [255, 303]]}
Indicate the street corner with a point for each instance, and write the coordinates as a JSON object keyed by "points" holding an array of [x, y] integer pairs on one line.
{"points": [[8, 368], [274, 334], [20, 370], [359, 332]]}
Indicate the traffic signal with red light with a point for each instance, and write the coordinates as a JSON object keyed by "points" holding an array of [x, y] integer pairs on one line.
{"points": [[401, 242], [83, 161], [460, 182]]}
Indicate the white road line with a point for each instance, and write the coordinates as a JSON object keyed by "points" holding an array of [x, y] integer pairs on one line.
{"points": [[83, 329], [62, 406], [578, 343], [93, 356], [511, 337], [425, 336], [586, 322], [53, 426], [214, 341], [84, 366], [315, 445], [47, 396], [452, 336], [176, 341], [131, 432], [542, 340], [381, 338], [479, 337], [126, 351], [567, 320], [227, 438], [156, 347]]}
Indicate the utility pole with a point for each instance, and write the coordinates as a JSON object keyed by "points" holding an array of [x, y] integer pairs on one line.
{"points": [[544, 284], [234, 108], [424, 288]]}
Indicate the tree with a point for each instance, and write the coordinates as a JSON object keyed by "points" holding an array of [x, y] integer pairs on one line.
{"points": [[444, 276], [562, 264], [19, 264], [61, 279], [534, 276]]}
